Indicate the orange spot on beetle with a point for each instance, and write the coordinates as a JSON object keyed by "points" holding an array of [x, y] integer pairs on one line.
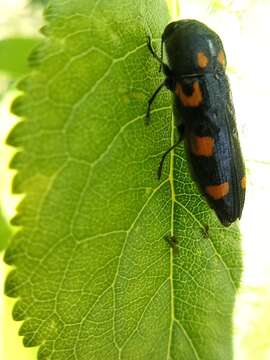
{"points": [[202, 60], [243, 183], [193, 100], [218, 192], [202, 145], [221, 58]]}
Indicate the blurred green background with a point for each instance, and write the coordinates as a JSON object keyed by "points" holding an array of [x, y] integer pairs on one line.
{"points": [[243, 26]]}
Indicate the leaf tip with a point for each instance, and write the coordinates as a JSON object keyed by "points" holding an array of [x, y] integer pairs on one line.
{"points": [[11, 284]]}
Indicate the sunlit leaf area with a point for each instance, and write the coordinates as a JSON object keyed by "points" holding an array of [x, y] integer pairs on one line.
{"points": [[243, 26]]}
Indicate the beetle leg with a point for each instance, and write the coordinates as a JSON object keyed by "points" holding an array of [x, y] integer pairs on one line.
{"points": [[181, 131], [150, 101], [181, 136]]}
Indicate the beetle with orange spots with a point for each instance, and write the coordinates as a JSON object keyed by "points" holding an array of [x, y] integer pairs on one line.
{"points": [[204, 114]]}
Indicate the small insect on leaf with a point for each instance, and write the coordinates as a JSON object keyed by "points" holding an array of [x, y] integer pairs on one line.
{"points": [[173, 242]]}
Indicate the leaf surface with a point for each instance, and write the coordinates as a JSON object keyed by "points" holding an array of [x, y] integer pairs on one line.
{"points": [[95, 276], [13, 55], [5, 231]]}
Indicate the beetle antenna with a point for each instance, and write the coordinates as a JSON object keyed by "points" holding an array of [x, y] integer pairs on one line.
{"points": [[161, 55], [150, 47]]}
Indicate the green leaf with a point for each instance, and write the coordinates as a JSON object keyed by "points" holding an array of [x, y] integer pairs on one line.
{"points": [[5, 231], [95, 276], [14, 53]]}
